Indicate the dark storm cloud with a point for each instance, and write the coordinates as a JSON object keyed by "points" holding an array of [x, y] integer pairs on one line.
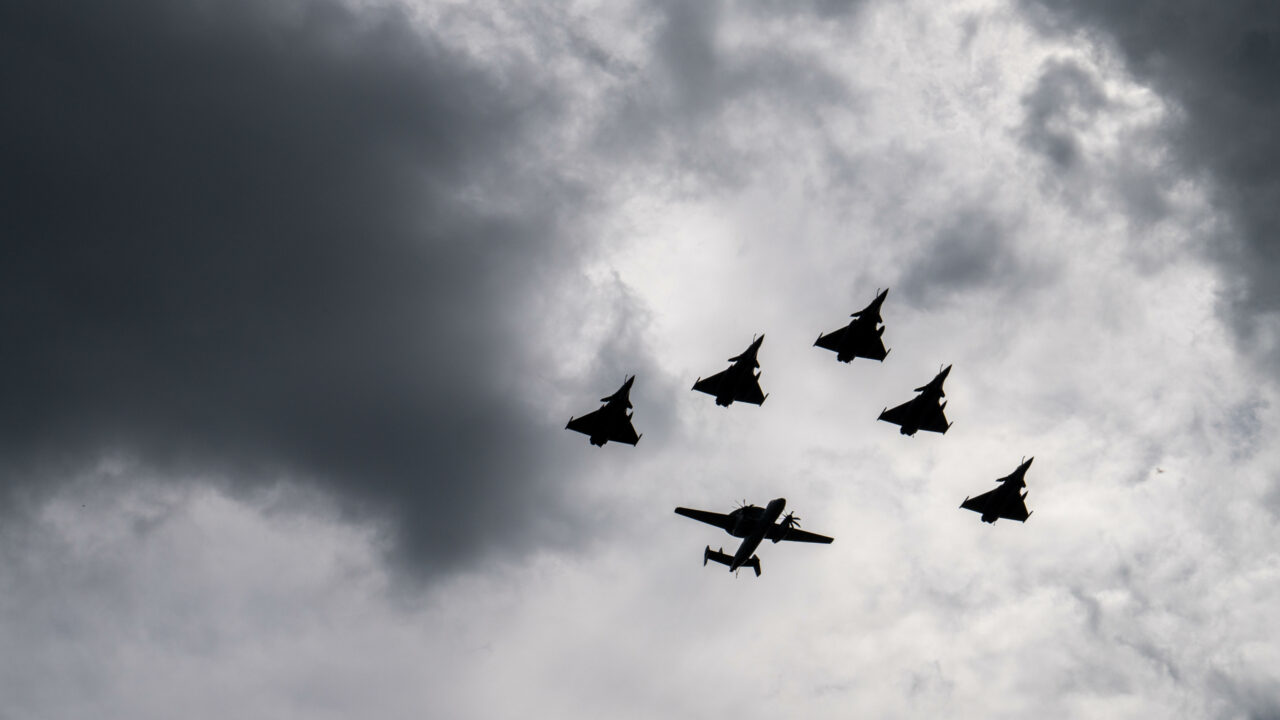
{"points": [[263, 240], [1217, 64]]}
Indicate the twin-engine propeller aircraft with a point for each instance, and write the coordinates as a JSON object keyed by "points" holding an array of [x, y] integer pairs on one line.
{"points": [[752, 524], [861, 337], [611, 422], [1005, 501], [923, 411], [740, 382]]}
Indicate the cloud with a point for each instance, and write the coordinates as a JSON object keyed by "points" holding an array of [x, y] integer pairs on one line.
{"points": [[280, 241], [1215, 63], [411, 244], [1066, 95], [298, 242], [972, 249], [706, 96]]}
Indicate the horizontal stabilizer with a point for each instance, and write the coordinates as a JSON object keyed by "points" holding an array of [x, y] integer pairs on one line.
{"points": [[716, 555]]}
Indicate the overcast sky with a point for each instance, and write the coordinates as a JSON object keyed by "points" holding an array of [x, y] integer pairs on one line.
{"points": [[296, 297]]}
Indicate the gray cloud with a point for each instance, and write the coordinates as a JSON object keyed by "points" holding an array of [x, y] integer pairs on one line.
{"points": [[690, 109], [375, 290], [1068, 105], [1217, 64], [1066, 95], [270, 241], [971, 249]]}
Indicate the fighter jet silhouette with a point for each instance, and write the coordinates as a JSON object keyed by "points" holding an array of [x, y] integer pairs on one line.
{"points": [[861, 337], [611, 422], [1005, 501], [739, 382], [752, 524], [923, 411]]}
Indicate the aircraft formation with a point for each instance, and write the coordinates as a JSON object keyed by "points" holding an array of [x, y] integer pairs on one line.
{"points": [[740, 382]]}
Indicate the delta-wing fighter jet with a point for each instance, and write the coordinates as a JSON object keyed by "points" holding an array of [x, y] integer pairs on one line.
{"points": [[1005, 501], [611, 422], [923, 411], [861, 337], [740, 382], [752, 524]]}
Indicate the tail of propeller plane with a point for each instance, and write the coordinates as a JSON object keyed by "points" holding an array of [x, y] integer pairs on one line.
{"points": [[724, 559]]}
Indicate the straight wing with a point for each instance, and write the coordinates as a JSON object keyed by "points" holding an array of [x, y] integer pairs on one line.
{"points": [[720, 520], [934, 421], [831, 341], [749, 392], [777, 532], [899, 415]]}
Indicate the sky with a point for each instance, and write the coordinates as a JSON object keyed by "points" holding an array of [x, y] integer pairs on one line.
{"points": [[296, 297]]}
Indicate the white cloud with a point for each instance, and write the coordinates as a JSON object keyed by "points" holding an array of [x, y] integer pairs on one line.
{"points": [[1081, 329]]}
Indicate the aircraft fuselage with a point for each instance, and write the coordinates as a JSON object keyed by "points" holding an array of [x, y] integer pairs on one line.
{"points": [[751, 525], [923, 403], [1010, 495], [740, 372], [856, 333]]}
